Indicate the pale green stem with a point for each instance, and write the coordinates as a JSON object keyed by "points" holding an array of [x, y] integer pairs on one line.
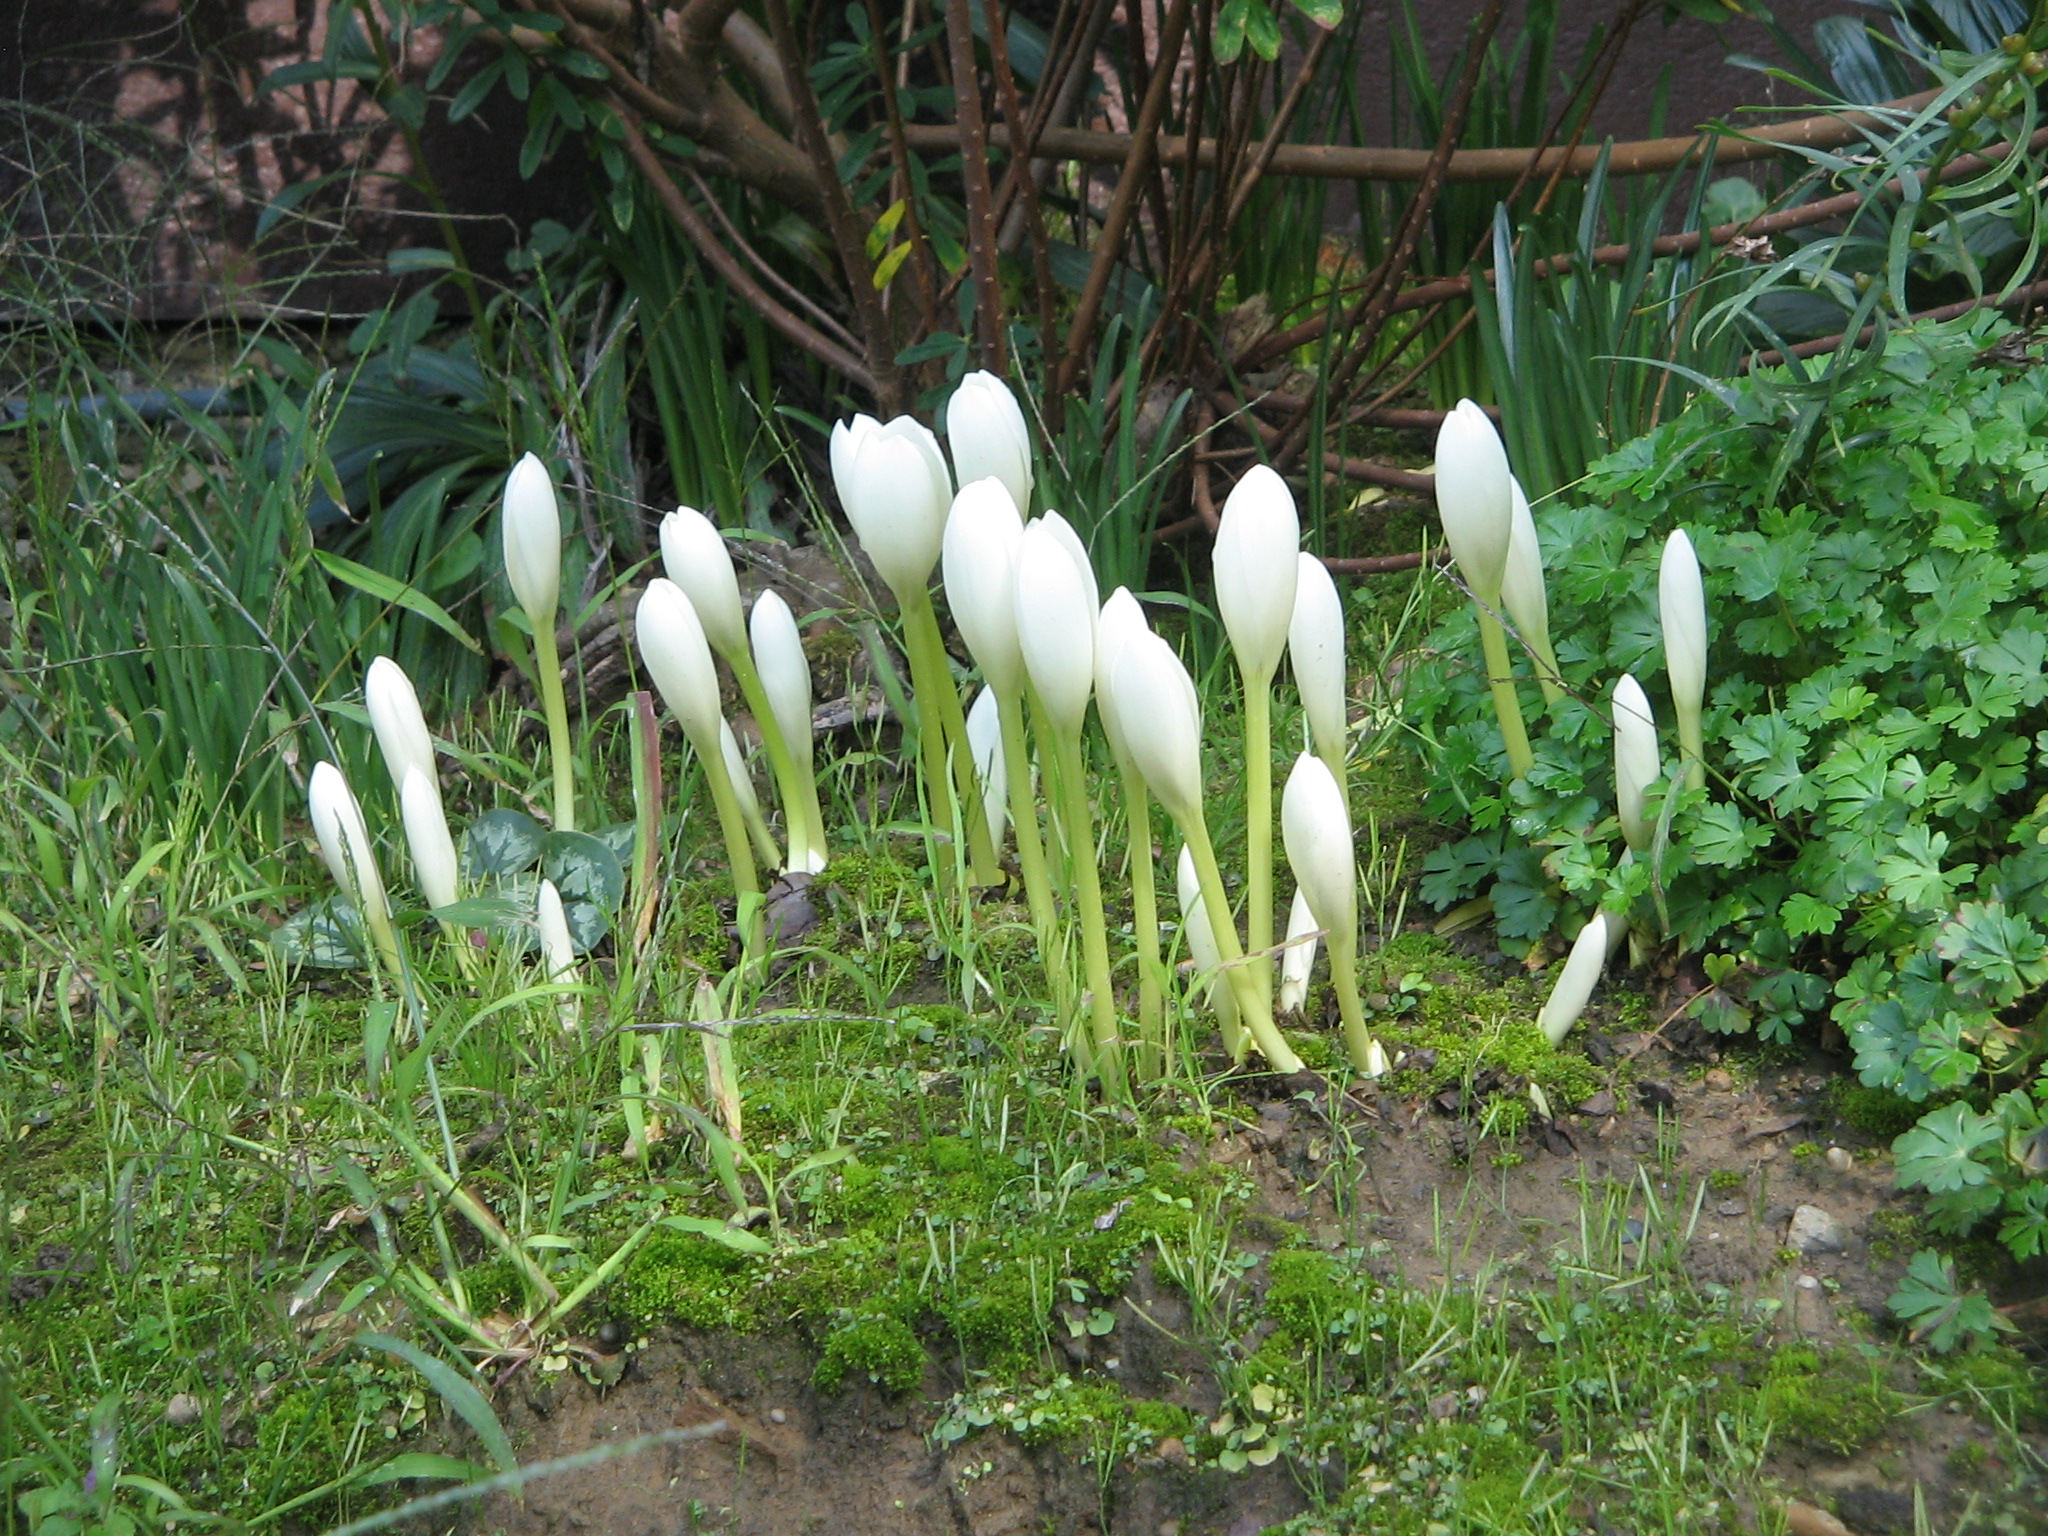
{"points": [[1333, 759], [1258, 829], [1253, 1009], [931, 737], [1024, 820], [1343, 948], [1548, 678], [385, 940], [764, 840], [948, 722], [1094, 931], [549, 663], [821, 853], [803, 821], [1493, 645], [1692, 746], [739, 856], [1145, 920], [1045, 748]]}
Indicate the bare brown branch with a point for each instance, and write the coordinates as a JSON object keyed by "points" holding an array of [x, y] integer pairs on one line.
{"points": [[728, 267], [1343, 162]]}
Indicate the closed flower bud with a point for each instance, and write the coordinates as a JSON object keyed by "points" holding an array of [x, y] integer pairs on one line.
{"points": [[1121, 620], [1474, 500], [345, 842], [1162, 723], [894, 486], [1316, 828], [694, 557], [557, 947], [1682, 608], [1315, 650], [1636, 765], [986, 431], [426, 833], [980, 553], [785, 670], [1298, 959], [1056, 612], [1255, 564], [1201, 940], [1575, 983], [1523, 593], [533, 541], [985, 742], [678, 658], [400, 727]]}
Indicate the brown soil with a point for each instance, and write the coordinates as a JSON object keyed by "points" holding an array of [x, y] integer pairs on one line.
{"points": [[793, 1460]]}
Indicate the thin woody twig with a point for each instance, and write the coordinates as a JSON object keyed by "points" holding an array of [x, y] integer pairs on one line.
{"points": [[728, 267], [1110, 243], [826, 320], [847, 236], [1370, 315], [1027, 185], [981, 210], [1342, 162], [1819, 346], [1682, 244]]}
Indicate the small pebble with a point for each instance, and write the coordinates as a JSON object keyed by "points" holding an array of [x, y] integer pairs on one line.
{"points": [[1813, 1230], [1840, 1160], [1808, 1283], [183, 1409], [777, 1416], [1718, 1081]]}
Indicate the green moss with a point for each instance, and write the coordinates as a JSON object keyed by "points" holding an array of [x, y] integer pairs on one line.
{"points": [[868, 1193], [2001, 1378], [697, 923], [1003, 1321], [1967, 1459], [1723, 1180], [880, 1347], [678, 1277], [1894, 1234], [1318, 1052], [1834, 1400], [1307, 1293], [493, 1286], [1873, 1112], [1464, 1021], [877, 882], [1160, 1420]]}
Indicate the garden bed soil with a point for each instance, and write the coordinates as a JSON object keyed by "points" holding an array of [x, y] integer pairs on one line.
{"points": [[1729, 1164]]}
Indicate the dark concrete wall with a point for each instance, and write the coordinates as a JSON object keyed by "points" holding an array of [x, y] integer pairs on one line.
{"points": [[1703, 85]]}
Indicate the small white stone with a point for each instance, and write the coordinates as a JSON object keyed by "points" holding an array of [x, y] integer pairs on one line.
{"points": [[777, 1416], [1840, 1160], [183, 1409], [1813, 1230]]}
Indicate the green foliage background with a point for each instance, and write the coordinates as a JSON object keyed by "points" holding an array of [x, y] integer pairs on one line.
{"points": [[1872, 843]]}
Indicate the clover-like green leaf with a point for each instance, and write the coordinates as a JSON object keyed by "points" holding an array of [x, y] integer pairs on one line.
{"points": [[500, 843], [1940, 1153], [326, 934]]}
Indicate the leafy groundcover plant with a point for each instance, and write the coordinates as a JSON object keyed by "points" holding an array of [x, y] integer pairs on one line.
{"points": [[1871, 840]]}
